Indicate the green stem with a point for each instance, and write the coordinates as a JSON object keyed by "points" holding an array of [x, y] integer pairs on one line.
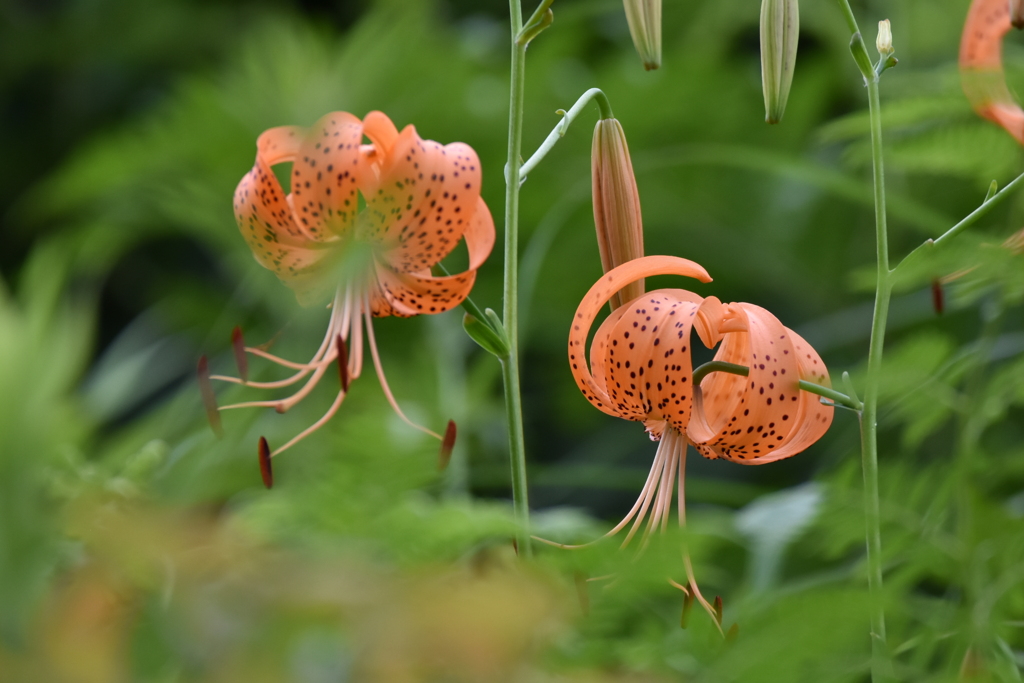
{"points": [[510, 316], [881, 666], [721, 366], [972, 218], [559, 130], [869, 417]]}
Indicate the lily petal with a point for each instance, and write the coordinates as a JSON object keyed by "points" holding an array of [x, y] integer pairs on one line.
{"points": [[981, 65], [748, 419], [599, 294], [325, 177], [424, 201]]}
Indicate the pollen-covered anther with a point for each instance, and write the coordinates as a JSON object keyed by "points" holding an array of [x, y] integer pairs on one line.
{"points": [[444, 455], [266, 469], [209, 398]]}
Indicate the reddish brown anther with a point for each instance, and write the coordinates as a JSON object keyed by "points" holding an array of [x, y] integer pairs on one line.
{"points": [[343, 364], [718, 609], [266, 470], [209, 398], [938, 297], [515, 546], [238, 343], [447, 444]]}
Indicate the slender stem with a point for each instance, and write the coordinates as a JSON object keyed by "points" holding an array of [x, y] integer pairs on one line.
{"points": [[881, 666], [721, 366], [972, 218], [510, 316], [559, 130]]}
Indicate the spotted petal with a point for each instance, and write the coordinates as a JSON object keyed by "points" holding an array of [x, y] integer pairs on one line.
{"points": [[263, 214], [610, 283], [753, 419], [326, 175], [406, 294], [424, 200]]}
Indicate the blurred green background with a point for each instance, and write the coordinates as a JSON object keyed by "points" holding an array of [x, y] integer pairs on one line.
{"points": [[136, 546]]}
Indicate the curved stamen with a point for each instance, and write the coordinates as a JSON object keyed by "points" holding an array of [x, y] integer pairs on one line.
{"points": [[313, 427], [380, 375], [686, 551]]}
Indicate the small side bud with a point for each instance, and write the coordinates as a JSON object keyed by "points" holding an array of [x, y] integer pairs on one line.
{"points": [[343, 364], [266, 470], [447, 444], [884, 40], [238, 344], [620, 232], [780, 31], [209, 398], [1017, 14]]}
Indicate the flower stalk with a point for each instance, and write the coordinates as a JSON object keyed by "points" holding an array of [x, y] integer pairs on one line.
{"points": [[510, 313], [881, 666]]}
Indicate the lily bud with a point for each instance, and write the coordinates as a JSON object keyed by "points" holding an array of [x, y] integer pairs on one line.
{"points": [[620, 233], [644, 17], [884, 40], [1017, 13], [780, 31]]}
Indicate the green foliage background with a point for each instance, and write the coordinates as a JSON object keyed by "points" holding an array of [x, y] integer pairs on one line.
{"points": [[135, 546]]}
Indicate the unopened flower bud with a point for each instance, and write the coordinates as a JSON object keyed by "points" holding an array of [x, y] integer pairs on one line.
{"points": [[620, 234], [780, 31], [1017, 13], [644, 17], [884, 40]]}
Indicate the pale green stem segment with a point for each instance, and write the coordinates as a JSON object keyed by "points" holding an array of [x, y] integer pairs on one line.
{"points": [[836, 397], [991, 201], [881, 666], [510, 314], [567, 118]]}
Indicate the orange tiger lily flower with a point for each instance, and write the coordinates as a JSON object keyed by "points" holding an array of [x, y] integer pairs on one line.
{"points": [[981, 65], [640, 370], [421, 198]]}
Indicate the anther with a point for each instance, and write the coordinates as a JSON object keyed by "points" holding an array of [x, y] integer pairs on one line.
{"points": [[343, 364], [938, 297], [209, 398], [447, 444], [687, 605], [731, 634], [266, 471], [238, 343], [718, 609]]}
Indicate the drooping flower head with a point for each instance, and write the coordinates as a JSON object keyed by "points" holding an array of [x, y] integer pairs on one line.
{"points": [[981, 63], [363, 225], [640, 369]]}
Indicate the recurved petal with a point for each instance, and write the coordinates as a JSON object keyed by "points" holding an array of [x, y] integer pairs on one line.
{"points": [[813, 418], [424, 201], [745, 419], [326, 176], [421, 293], [981, 65], [647, 364], [599, 294]]}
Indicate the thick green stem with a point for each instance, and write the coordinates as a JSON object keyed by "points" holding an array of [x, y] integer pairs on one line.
{"points": [[510, 316], [881, 667]]}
